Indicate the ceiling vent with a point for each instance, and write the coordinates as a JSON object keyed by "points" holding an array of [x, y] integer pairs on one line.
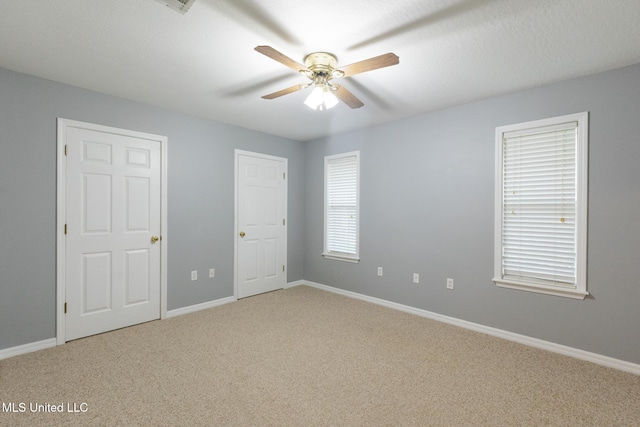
{"points": [[179, 5]]}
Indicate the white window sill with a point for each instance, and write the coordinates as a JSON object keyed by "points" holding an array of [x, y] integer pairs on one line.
{"points": [[341, 257], [542, 289]]}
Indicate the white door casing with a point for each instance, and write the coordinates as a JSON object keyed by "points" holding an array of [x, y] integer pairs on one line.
{"points": [[261, 230], [111, 208]]}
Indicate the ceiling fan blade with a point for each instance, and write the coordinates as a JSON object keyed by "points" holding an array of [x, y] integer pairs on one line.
{"points": [[285, 91], [374, 63], [280, 57], [348, 98]]}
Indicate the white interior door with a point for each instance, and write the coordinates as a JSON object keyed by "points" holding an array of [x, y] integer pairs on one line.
{"points": [[261, 206], [113, 207]]}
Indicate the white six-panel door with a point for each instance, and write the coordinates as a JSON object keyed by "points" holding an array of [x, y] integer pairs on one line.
{"points": [[113, 225], [261, 205]]}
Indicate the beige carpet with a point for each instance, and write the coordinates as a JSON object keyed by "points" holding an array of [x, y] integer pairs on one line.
{"points": [[305, 357]]}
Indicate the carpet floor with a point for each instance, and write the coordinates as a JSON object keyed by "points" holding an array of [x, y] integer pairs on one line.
{"points": [[306, 357]]}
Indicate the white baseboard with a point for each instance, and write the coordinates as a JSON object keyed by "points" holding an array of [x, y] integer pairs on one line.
{"points": [[52, 342], [27, 348], [198, 307], [599, 359], [296, 283]]}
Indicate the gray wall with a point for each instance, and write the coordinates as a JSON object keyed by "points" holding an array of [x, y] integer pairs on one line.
{"points": [[200, 197], [427, 207], [427, 194]]}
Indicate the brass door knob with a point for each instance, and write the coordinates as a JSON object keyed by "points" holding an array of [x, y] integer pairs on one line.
{"points": [[154, 239], [242, 234]]}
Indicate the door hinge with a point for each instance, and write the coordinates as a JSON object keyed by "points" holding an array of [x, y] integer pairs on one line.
{"points": [[65, 229], [283, 268], [65, 308], [283, 221], [284, 175], [65, 149]]}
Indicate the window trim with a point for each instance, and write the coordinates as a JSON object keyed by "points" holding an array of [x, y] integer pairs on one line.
{"points": [[340, 256], [579, 291]]}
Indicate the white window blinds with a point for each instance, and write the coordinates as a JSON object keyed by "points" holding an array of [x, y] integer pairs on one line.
{"points": [[341, 205], [541, 206]]}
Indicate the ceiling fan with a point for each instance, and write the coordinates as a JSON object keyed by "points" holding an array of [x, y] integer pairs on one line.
{"points": [[321, 68]]}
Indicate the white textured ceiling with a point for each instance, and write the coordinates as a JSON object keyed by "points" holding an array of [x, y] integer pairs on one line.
{"points": [[203, 62]]}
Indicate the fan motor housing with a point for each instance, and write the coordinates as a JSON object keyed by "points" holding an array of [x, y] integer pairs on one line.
{"points": [[321, 62]]}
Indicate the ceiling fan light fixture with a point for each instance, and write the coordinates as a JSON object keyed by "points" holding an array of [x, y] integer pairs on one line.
{"points": [[330, 100], [321, 99], [321, 68]]}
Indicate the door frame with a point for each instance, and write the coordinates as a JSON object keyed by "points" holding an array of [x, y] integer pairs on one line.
{"points": [[237, 154], [61, 214]]}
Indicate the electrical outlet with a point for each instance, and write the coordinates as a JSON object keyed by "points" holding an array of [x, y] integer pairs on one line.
{"points": [[212, 272], [379, 271], [449, 283], [194, 275], [416, 278]]}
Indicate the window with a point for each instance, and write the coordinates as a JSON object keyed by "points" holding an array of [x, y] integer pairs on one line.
{"points": [[341, 206], [541, 206]]}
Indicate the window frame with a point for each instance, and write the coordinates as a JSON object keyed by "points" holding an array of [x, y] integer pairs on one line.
{"points": [[334, 255], [579, 289]]}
